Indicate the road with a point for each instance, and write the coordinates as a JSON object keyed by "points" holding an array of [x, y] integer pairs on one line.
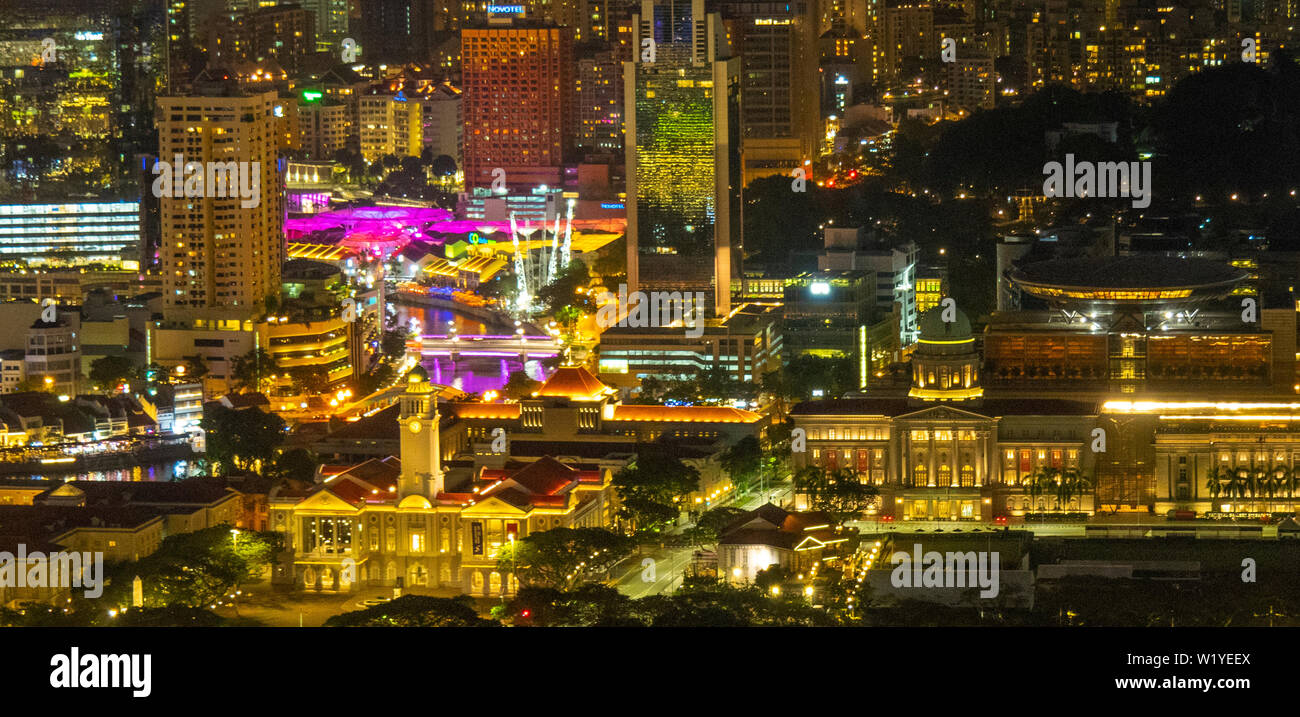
{"points": [[670, 563]]}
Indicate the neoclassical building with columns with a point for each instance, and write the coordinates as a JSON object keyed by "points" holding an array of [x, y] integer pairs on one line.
{"points": [[402, 520], [394, 522], [945, 451]]}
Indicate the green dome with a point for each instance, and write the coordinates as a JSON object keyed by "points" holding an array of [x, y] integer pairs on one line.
{"points": [[934, 328], [417, 374]]}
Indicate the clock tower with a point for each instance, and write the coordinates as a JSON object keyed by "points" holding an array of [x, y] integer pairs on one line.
{"points": [[421, 463]]}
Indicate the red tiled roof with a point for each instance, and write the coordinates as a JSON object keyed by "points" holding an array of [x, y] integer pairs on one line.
{"points": [[573, 382], [506, 411], [545, 476], [545, 481], [684, 414]]}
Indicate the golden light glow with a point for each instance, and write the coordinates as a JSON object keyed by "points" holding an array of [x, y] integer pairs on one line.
{"points": [[1220, 417], [958, 341], [953, 394], [1161, 406], [1109, 294]]}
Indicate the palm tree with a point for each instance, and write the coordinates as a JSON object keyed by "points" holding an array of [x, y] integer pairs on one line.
{"points": [[1043, 481], [1238, 484], [1214, 482], [253, 369], [1070, 484]]}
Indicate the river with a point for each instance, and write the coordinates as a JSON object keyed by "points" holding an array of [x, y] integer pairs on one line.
{"points": [[172, 470], [472, 374]]}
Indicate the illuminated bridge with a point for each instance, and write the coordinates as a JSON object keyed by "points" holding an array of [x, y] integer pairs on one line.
{"points": [[499, 346]]}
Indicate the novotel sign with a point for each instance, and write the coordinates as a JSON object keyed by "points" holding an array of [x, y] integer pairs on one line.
{"points": [[505, 9]]}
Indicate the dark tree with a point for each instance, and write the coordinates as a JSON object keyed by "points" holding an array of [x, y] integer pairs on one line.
{"points": [[108, 372], [414, 611], [243, 439]]}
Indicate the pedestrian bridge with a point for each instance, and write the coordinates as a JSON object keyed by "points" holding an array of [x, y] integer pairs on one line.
{"points": [[502, 345]]}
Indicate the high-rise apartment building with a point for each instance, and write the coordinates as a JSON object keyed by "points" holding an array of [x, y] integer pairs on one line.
{"points": [[779, 83], [971, 82], [907, 31], [331, 22], [407, 121], [324, 125], [682, 145], [518, 102], [598, 97], [222, 259], [283, 33]]}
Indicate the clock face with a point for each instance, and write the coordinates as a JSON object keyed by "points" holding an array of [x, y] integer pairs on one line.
{"points": [[414, 425]]}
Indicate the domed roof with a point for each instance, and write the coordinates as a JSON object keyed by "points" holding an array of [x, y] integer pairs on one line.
{"points": [[418, 374], [934, 328]]}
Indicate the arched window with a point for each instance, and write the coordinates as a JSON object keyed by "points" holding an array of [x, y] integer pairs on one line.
{"points": [[945, 474], [968, 475], [918, 474]]}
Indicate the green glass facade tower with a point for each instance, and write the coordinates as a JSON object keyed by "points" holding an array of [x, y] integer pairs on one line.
{"points": [[683, 154]]}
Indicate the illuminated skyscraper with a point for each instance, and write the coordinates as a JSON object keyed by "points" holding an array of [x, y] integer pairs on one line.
{"points": [[221, 259], [780, 98], [683, 154], [518, 102]]}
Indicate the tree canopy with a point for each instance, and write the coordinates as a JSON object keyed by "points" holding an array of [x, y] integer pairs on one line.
{"points": [[414, 611], [241, 439], [563, 557]]}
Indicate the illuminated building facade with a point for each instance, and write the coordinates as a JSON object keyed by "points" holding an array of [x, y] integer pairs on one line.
{"points": [[540, 204], [1137, 323], [945, 365], [406, 121], [971, 81], [283, 33], [331, 17], [72, 234], [746, 345], [931, 287], [1215, 458], [310, 336], [848, 249], [54, 356], [779, 83], [575, 416], [324, 125], [950, 463], [218, 256], [400, 523], [598, 96], [834, 314], [907, 30], [74, 284], [518, 108], [683, 155], [91, 102]]}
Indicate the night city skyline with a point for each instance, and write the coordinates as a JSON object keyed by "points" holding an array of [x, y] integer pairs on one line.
{"points": [[652, 313]]}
